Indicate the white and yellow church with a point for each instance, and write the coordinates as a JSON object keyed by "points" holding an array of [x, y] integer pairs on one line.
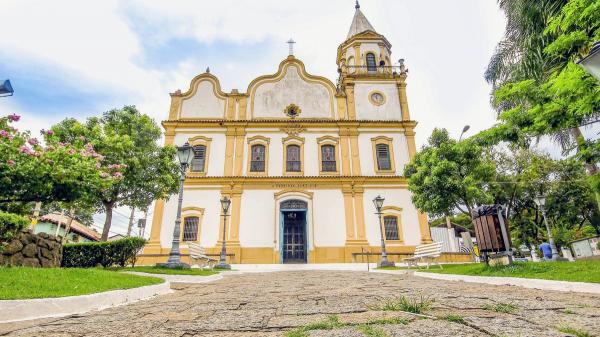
{"points": [[301, 159]]}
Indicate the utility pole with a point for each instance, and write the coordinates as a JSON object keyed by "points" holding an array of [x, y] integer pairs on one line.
{"points": [[130, 226]]}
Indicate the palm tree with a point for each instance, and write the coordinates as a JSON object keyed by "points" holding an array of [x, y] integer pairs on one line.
{"points": [[520, 56]]}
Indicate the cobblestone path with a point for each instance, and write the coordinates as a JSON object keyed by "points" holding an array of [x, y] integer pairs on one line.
{"points": [[273, 304]]}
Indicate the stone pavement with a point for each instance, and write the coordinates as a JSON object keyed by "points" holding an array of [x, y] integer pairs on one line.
{"points": [[272, 304]]}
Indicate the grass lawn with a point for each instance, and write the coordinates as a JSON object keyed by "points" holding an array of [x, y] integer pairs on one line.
{"points": [[22, 282], [169, 271], [579, 271]]}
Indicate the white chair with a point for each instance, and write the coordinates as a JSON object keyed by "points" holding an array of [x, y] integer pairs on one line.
{"points": [[198, 256], [429, 253]]}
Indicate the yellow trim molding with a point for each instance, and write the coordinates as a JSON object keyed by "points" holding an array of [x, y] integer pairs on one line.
{"points": [[258, 140], [201, 140], [187, 212], [390, 143], [281, 72], [333, 141], [293, 140]]}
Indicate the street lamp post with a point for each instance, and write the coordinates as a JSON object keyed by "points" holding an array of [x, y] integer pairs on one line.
{"points": [[378, 202], [225, 203], [591, 63], [185, 154], [465, 129], [6, 89], [540, 200]]}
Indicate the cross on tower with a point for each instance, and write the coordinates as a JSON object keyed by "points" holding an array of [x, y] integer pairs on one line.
{"points": [[291, 43]]}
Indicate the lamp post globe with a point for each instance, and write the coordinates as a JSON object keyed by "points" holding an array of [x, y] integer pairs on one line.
{"points": [[6, 89], [185, 154], [540, 201], [378, 202], [225, 203]]}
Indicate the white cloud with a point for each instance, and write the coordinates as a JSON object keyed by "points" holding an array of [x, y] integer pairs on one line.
{"points": [[98, 44]]}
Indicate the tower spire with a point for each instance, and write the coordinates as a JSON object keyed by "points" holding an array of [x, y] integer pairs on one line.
{"points": [[359, 23]]}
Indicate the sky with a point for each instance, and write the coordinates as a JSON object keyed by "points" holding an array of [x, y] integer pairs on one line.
{"points": [[69, 58]]}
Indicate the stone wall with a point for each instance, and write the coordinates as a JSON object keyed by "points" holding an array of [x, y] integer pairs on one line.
{"points": [[32, 250]]}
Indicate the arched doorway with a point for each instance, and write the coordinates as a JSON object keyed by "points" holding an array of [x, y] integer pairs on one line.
{"points": [[293, 233]]}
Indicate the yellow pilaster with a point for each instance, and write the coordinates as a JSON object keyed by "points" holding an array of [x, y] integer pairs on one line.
{"points": [[349, 213], [231, 103], [229, 147], [175, 105], [403, 100], [410, 141], [345, 147], [153, 245], [357, 58], [359, 212], [349, 87], [243, 103], [240, 137], [341, 106], [356, 171]]}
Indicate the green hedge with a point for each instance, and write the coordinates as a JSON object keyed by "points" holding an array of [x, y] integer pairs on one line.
{"points": [[91, 254], [10, 226]]}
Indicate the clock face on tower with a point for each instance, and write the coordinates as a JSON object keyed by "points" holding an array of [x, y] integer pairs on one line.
{"points": [[377, 98]]}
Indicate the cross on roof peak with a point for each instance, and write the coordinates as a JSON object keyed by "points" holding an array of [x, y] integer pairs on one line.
{"points": [[291, 42]]}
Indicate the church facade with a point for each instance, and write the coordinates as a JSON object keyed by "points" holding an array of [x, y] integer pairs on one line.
{"points": [[301, 159]]}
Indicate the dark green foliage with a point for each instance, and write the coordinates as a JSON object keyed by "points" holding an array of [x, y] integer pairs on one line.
{"points": [[91, 254], [10, 226]]}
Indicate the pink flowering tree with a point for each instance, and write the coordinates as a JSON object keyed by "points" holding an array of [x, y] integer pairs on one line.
{"points": [[35, 170], [127, 142]]}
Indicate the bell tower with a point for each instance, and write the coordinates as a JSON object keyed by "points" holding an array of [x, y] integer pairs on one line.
{"points": [[375, 88]]}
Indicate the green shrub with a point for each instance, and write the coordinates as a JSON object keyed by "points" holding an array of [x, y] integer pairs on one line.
{"points": [[90, 254], [598, 245], [10, 226]]}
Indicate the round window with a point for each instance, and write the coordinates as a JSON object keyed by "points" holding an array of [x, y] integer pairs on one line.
{"points": [[377, 98]]}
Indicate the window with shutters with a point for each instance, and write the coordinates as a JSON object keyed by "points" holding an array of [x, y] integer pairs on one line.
{"points": [[328, 158], [293, 161], [190, 228], [257, 163], [383, 157], [390, 224], [199, 161], [371, 63]]}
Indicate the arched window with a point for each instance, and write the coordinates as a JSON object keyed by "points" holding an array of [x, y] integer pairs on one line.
{"points": [[293, 158], [190, 228], [257, 163], [199, 161], [383, 157], [328, 158], [371, 63], [390, 223]]}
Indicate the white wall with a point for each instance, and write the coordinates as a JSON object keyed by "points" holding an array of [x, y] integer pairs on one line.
{"points": [[204, 103], [207, 199], [390, 110], [311, 150], [216, 155], [409, 215], [257, 218], [271, 98], [365, 146], [329, 218]]}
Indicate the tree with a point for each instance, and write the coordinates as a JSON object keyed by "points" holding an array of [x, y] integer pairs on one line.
{"points": [[30, 171], [127, 140], [447, 175], [538, 88]]}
